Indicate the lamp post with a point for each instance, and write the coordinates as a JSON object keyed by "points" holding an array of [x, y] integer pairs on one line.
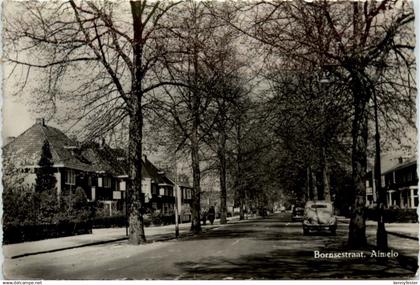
{"points": [[381, 235], [325, 80]]}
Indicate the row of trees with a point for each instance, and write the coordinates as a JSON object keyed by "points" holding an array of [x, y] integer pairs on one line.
{"points": [[237, 86]]}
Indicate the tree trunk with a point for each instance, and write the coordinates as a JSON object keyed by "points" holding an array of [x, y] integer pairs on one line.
{"points": [[314, 186], [239, 183], [357, 228], [135, 219], [136, 227], [195, 204], [325, 176], [241, 209], [195, 158], [222, 174], [195, 144], [308, 183]]}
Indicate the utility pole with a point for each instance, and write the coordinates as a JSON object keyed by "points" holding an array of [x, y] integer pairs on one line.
{"points": [[177, 190], [381, 235], [176, 211]]}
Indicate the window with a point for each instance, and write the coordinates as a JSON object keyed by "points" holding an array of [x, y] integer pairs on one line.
{"points": [[70, 177], [318, 206], [188, 194], [409, 176], [107, 182], [154, 190], [122, 185], [99, 181]]}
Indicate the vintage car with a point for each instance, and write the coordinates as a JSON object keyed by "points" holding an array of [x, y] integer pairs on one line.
{"points": [[319, 215]]}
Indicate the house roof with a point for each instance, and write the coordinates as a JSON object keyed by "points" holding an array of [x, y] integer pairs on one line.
{"points": [[154, 173], [26, 148], [411, 161], [105, 159], [184, 185]]}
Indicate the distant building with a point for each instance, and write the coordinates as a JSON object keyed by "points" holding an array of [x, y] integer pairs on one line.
{"points": [[184, 198], [158, 189], [400, 182]]}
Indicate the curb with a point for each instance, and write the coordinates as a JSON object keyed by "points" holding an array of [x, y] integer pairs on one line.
{"points": [[401, 235], [159, 238], [67, 248]]}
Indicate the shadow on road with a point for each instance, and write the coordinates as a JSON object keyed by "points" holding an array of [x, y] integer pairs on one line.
{"points": [[290, 264], [291, 258]]}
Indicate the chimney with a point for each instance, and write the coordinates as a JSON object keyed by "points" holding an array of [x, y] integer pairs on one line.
{"points": [[40, 121]]}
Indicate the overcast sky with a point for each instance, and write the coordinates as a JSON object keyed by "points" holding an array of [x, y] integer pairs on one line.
{"points": [[17, 117]]}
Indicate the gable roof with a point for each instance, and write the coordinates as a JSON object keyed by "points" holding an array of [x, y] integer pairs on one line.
{"points": [[25, 151], [26, 148], [153, 172], [105, 159], [411, 161]]}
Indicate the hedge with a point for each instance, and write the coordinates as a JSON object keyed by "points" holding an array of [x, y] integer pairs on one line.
{"points": [[13, 233], [394, 215], [120, 221], [109, 222]]}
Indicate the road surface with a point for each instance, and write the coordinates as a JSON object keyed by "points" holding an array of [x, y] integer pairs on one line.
{"points": [[271, 248]]}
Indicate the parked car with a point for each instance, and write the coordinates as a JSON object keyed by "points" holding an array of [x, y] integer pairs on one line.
{"points": [[319, 215], [297, 213], [282, 209]]}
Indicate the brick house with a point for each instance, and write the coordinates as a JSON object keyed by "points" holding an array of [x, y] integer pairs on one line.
{"points": [[184, 198], [158, 189], [101, 171], [70, 166], [400, 182]]}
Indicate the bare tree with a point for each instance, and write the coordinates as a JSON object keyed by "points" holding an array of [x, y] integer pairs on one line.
{"points": [[96, 57], [366, 46], [190, 38]]}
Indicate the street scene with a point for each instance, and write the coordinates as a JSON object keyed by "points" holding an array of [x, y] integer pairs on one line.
{"points": [[209, 140], [259, 249]]}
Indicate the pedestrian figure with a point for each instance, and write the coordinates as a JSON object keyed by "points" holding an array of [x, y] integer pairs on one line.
{"points": [[211, 214], [204, 217]]}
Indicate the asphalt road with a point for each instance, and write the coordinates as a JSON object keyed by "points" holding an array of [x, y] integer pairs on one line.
{"points": [[271, 248]]}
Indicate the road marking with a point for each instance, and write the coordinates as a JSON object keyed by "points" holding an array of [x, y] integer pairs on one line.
{"points": [[235, 242]]}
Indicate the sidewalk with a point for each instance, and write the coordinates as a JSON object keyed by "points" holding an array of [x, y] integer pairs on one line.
{"points": [[98, 236], [407, 230], [402, 238]]}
